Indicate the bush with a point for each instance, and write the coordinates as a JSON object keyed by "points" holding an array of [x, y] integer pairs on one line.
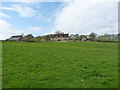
{"points": [[103, 40]]}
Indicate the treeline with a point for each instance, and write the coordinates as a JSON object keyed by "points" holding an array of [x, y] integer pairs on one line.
{"points": [[94, 37], [77, 37]]}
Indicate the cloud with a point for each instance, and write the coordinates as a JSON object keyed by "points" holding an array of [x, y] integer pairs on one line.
{"points": [[34, 29], [4, 15], [23, 10], [85, 17], [58, 0], [6, 8], [7, 30], [19, 0]]}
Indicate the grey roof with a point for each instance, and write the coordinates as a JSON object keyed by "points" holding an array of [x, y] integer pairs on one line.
{"points": [[15, 39]]}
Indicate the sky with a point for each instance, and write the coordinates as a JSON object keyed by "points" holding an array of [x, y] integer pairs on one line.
{"points": [[42, 18]]}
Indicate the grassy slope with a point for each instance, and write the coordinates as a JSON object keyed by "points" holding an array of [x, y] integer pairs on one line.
{"points": [[59, 65]]}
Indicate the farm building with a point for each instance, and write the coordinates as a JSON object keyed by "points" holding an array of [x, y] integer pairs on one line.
{"points": [[56, 37], [59, 37], [16, 38]]}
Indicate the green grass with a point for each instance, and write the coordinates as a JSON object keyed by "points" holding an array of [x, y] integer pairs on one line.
{"points": [[60, 65]]}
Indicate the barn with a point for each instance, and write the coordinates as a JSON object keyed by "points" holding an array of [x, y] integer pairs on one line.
{"points": [[16, 38]]}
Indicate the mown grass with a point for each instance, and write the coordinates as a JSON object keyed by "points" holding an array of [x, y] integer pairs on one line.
{"points": [[60, 65]]}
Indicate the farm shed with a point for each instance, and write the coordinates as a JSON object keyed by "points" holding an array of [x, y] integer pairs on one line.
{"points": [[16, 38]]}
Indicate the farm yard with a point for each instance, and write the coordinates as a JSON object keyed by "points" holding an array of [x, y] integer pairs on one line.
{"points": [[60, 65]]}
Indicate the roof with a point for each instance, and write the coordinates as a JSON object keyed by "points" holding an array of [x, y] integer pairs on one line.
{"points": [[56, 35], [59, 35], [15, 38]]}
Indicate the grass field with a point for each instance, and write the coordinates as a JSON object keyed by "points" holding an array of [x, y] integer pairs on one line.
{"points": [[60, 65]]}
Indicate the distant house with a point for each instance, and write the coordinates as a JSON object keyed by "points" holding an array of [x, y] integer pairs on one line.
{"points": [[56, 37], [16, 38], [59, 37], [84, 39]]}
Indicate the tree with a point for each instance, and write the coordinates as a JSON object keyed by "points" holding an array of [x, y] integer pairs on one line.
{"points": [[118, 37], [38, 38], [82, 36], [76, 37], [47, 38], [29, 37], [92, 36], [71, 37]]}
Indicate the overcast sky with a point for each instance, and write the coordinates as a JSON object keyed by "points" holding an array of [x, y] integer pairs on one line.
{"points": [[41, 18]]}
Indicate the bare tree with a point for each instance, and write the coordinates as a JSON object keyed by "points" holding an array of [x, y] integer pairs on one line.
{"points": [[77, 37], [82, 36], [92, 36], [58, 32]]}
